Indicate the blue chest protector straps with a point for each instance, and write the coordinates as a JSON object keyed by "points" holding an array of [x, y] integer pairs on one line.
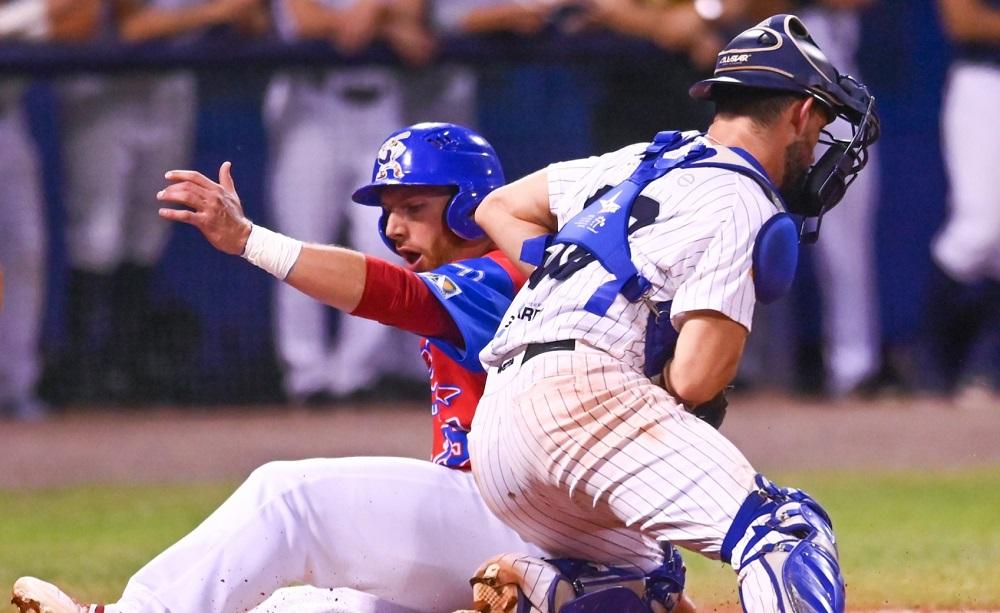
{"points": [[601, 228]]}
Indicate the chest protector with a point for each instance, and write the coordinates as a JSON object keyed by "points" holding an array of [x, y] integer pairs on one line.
{"points": [[601, 229]]}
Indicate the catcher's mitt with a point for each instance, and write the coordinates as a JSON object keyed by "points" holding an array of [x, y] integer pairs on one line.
{"points": [[524, 584]]}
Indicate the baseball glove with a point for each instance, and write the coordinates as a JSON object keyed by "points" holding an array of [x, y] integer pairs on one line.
{"points": [[713, 412], [524, 584], [501, 582]]}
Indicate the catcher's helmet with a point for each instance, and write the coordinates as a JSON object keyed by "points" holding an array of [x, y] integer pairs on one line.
{"points": [[779, 54], [437, 154]]}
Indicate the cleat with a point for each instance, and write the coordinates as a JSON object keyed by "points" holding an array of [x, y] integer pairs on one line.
{"points": [[31, 595]]}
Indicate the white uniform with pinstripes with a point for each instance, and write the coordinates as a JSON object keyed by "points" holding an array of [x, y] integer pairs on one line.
{"points": [[577, 450]]}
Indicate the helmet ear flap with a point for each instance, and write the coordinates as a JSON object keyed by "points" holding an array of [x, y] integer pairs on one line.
{"points": [[459, 214], [383, 223]]}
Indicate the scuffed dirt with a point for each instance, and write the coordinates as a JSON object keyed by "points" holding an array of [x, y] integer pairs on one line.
{"points": [[173, 445]]}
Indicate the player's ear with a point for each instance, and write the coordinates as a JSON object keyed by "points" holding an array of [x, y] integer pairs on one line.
{"points": [[801, 112]]}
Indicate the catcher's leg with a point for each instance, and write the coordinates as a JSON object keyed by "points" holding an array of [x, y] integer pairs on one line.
{"points": [[782, 545]]}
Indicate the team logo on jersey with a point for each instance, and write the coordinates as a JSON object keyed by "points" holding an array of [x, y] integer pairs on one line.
{"points": [[442, 395], [448, 287], [563, 260], [455, 444], [610, 205], [388, 156]]}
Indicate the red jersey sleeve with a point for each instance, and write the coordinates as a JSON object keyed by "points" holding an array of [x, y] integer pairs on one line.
{"points": [[397, 297]]}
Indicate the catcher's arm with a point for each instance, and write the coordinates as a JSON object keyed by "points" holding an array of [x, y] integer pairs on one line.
{"points": [[516, 212], [708, 353]]}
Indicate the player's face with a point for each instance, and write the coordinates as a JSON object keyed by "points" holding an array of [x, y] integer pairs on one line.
{"points": [[415, 225], [800, 154]]}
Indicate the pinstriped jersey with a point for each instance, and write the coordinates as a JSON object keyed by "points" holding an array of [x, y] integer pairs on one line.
{"points": [[691, 234]]}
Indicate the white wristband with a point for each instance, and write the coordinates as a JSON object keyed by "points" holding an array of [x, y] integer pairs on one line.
{"points": [[272, 252]]}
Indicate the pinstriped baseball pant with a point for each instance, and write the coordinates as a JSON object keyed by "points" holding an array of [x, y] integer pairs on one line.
{"points": [[587, 458]]}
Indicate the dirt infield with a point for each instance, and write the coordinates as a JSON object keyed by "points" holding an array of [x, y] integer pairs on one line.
{"points": [[169, 445]]}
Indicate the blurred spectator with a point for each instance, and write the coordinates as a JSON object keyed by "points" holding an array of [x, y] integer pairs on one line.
{"points": [[441, 91], [845, 253], [323, 125], [639, 98], [119, 134], [22, 233], [960, 348], [683, 26], [534, 112]]}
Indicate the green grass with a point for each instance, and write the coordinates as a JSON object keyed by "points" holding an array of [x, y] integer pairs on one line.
{"points": [[90, 540], [907, 540]]}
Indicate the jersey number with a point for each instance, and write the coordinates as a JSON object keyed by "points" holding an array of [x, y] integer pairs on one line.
{"points": [[563, 260]]}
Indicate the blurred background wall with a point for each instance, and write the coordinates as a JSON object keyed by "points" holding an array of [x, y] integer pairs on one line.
{"points": [[211, 322]]}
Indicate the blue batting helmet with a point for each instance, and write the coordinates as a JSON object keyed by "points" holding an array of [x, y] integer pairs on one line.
{"points": [[437, 154], [779, 54]]}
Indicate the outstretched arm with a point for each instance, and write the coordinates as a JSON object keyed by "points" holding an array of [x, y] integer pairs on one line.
{"points": [[516, 212], [341, 278]]}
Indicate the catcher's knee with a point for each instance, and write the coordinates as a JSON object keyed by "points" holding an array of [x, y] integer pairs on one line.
{"points": [[524, 584], [785, 539]]}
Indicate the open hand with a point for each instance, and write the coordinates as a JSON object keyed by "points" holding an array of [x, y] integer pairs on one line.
{"points": [[215, 207]]}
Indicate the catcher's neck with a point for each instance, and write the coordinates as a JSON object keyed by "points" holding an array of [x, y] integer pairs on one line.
{"points": [[766, 145]]}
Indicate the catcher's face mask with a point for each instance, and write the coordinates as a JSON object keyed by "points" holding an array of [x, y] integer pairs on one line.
{"points": [[780, 54], [827, 181]]}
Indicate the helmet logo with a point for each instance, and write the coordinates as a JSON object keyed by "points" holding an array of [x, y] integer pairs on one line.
{"points": [[388, 156], [734, 58]]}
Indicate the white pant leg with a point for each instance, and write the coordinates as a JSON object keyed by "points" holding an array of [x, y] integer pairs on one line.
{"points": [[408, 532], [301, 186], [97, 132], [845, 253], [441, 93], [846, 275], [165, 143], [22, 257], [968, 248], [587, 458], [311, 599]]}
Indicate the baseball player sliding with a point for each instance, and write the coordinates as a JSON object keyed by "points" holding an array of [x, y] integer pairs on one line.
{"points": [[573, 444], [407, 532]]}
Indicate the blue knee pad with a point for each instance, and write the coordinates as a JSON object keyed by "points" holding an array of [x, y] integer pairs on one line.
{"points": [[803, 564], [608, 588]]}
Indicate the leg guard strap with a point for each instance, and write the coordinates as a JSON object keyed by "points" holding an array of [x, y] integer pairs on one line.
{"points": [[788, 535]]}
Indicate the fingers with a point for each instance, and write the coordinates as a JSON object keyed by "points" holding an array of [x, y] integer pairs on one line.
{"points": [[180, 215], [188, 194], [226, 177], [192, 176]]}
